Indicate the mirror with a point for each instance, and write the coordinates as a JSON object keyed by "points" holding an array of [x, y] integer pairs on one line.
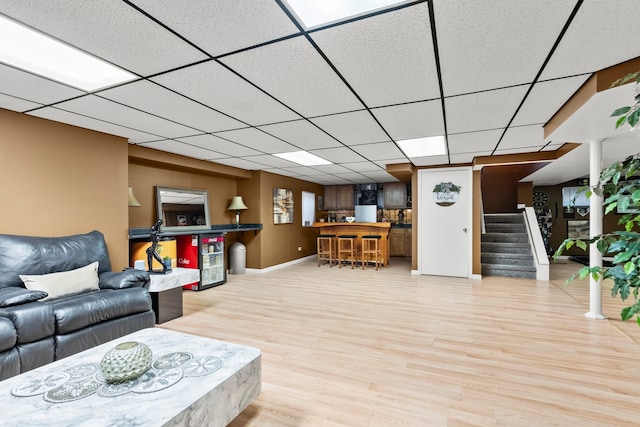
{"points": [[183, 209]]}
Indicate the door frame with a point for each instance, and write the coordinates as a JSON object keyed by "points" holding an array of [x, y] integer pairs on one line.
{"points": [[424, 198]]}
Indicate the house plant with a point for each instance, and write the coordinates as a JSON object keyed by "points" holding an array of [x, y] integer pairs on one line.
{"points": [[620, 187]]}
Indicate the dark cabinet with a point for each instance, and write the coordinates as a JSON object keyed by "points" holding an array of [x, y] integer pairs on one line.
{"points": [[338, 197], [395, 195]]}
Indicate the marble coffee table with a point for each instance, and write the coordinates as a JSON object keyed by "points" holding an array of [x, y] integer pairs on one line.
{"points": [[194, 381]]}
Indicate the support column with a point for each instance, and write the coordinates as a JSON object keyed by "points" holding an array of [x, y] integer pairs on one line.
{"points": [[595, 228]]}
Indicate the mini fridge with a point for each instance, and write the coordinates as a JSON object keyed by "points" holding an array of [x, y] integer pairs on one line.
{"points": [[206, 253]]}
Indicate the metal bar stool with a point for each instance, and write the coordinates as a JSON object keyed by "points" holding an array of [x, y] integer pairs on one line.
{"points": [[371, 246], [325, 244], [347, 245]]}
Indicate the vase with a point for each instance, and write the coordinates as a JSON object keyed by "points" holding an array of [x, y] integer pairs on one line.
{"points": [[126, 361]]}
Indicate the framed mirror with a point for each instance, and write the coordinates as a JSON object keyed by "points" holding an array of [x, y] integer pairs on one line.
{"points": [[183, 209]]}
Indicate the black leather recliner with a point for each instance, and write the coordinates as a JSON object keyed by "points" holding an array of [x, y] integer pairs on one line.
{"points": [[34, 332]]}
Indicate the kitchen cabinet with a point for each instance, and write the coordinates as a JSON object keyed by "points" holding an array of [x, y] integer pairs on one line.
{"points": [[400, 241], [395, 195], [338, 197]]}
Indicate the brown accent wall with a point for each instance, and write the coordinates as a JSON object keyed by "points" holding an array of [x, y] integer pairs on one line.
{"points": [[500, 186], [525, 193], [57, 179], [276, 243]]}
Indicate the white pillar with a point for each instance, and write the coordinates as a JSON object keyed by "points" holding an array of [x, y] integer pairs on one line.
{"points": [[595, 228]]}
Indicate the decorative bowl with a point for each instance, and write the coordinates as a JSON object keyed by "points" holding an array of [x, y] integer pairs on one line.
{"points": [[126, 361], [350, 218]]}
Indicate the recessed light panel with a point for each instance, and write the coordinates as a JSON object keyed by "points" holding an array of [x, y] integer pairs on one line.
{"points": [[423, 147], [34, 52], [320, 12], [303, 158]]}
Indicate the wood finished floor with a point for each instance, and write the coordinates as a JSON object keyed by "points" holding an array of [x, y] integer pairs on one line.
{"points": [[344, 347]]}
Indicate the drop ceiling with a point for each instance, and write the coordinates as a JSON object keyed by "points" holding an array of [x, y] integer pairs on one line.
{"points": [[236, 81]]}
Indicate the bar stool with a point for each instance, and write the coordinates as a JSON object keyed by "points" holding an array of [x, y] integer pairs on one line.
{"points": [[371, 246], [325, 244], [347, 245]]}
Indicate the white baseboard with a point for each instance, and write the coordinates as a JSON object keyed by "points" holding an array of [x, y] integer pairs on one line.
{"points": [[279, 266], [415, 272], [476, 276]]}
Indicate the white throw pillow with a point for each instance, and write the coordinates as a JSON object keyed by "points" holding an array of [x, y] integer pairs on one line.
{"points": [[65, 282]]}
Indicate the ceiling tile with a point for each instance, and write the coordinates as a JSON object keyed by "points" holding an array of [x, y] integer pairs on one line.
{"points": [[379, 151], [415, 120], [79, 120], [380, 176], [213, 85], [34, 88], [16, 104], [178, 147], [111, 30], [599, 36], [362, 167], [222, 26], [488, 45], [473, 142], [387, 59], [352, 128], [383, 163], [338, 155], [271, 161], [302, 134], [513, 151], [546, 98], [103, 109], [333, 169], [211, 142], [154, 99], [467, 157], [258, 140], [531, 137], [283, 172], [294, 73], [240, 163], [483, 110], [354, 177], [430, 160]]}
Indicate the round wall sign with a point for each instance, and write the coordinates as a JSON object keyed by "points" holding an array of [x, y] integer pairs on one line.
{"points": [[446, 193]]}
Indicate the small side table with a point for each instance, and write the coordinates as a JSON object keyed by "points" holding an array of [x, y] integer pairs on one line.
{"points": [[166, 292]]}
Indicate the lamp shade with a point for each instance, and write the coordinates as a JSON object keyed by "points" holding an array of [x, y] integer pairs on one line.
{"points": [[237, 204], [132, 199]]}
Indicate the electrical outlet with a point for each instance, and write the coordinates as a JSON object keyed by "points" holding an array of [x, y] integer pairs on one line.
{"points": [[299, 248]]}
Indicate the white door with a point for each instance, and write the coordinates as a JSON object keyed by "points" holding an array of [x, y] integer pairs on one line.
{"points": [[444, 223]]}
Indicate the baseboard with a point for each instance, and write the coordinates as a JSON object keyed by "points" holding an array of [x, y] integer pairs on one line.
{"points": [[415, 272], [279, 266], [476, 277]]}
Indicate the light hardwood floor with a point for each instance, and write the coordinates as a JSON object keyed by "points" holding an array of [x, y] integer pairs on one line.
{"points": [[344, 347]]}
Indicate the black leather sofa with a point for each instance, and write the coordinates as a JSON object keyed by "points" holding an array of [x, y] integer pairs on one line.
{"points": [[36, 330]]}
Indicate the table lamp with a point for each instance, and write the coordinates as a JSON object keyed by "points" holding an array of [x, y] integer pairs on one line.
{"points": [[236, 205]]}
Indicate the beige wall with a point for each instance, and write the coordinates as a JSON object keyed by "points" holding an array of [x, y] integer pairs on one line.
{"points": [[276, 243], [57, 179]]}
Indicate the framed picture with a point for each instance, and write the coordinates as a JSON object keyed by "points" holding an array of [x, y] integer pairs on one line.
{"points": [[630, 208], [578, 230], [282, 206]]}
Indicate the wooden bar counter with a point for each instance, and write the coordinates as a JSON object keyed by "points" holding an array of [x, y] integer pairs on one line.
{"points": [[360, 229]]}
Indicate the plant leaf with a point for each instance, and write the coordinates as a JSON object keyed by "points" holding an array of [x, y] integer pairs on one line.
{"points": [[629, 266], [627, 313], [620, 111]]}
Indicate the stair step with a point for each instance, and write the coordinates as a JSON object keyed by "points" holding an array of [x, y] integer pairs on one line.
{"points": [[504, 227], [507, 259], [503, 218], [508, 248], [505, 237], [508, 271]]}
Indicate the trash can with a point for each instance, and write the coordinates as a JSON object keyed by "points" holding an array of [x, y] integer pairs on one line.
{"points": [[237, 258]]}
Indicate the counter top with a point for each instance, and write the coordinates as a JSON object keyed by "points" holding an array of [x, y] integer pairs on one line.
{"points": [[351, 224], [142, 233]]}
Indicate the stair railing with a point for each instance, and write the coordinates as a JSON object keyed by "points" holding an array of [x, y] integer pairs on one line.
{"points": [[540, 257]]}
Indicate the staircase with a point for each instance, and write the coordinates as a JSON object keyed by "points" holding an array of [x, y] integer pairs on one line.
{"points": [[505, 248]]}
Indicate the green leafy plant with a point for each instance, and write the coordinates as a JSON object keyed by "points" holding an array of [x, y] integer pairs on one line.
{"points": [[619, 185]]}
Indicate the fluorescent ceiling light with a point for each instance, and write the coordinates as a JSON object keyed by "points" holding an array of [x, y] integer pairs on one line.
{"points": [[319, 12], [34, 52], [303, 158], [422, 147]]}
